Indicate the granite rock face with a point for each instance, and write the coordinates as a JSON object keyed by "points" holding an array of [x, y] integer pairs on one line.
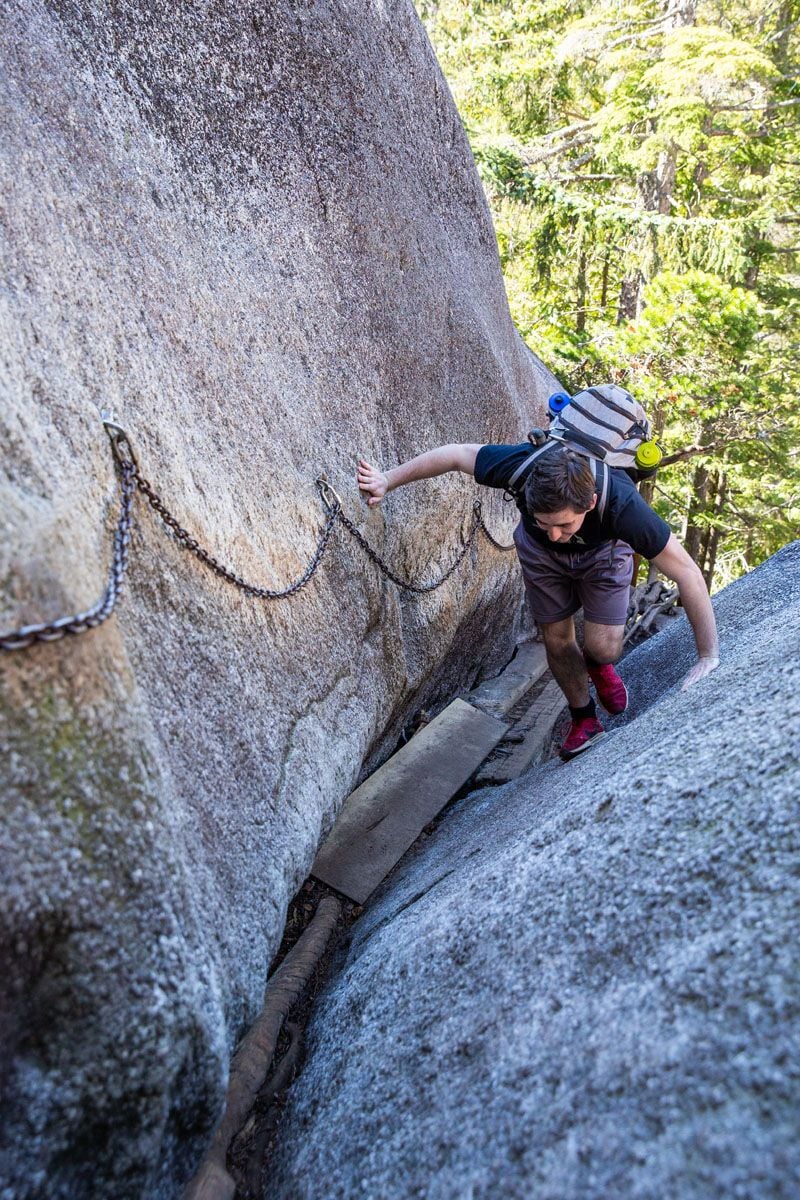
{"points": [[586, 983], [257, 235]]}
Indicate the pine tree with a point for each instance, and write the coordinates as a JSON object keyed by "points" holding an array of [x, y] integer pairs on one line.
{"points": [[642, 161]]}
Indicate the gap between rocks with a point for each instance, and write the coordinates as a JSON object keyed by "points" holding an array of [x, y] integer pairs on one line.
{"points": [[251, 1149]]}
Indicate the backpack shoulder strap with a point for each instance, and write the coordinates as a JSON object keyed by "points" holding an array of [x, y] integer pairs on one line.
{"points": [[522, 470], [601, 478], [601, 471]]}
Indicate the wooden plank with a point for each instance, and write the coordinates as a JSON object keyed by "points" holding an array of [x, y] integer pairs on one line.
{"points": [[382, 817], [538, 721], [499, 695]]}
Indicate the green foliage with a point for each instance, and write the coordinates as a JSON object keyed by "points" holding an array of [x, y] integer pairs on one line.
{"points": [[696, 331], [641, 160]]}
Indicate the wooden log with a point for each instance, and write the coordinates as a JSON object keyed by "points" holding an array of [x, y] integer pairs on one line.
{"points": [[251, 1061]]}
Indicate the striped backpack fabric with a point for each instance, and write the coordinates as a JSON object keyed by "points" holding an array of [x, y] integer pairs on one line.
{"points": [[604, 423]]}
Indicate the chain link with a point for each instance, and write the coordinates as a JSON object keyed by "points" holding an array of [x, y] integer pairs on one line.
{"points": [[51, 631], [131, 479], [250, 589], [420, 589]]}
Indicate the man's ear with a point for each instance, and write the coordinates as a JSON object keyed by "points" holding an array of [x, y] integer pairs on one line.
{"points": [[594, 502]]}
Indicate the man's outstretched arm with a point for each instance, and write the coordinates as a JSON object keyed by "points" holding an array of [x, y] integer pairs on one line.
{"points": [[376, 484], [674, 562]]}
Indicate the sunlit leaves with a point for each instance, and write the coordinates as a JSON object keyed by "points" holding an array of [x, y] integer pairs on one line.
{"points": [[622, 140]]}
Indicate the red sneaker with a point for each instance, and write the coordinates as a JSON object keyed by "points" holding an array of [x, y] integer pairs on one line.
{"points": [[611, 691], [582, 732]]}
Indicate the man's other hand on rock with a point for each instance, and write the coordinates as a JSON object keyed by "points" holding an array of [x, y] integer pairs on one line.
{"points": [[702, 667]]}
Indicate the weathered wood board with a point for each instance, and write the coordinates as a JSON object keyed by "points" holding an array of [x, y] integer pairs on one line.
{"points": [[538, 722], [498, 696], [385, 815]]}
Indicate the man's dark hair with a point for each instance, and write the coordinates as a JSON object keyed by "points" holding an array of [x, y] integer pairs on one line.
{"points": [[560, 478]]}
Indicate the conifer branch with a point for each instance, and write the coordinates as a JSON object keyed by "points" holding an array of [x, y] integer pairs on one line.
{"points": [[533, 158], [710, 448]]}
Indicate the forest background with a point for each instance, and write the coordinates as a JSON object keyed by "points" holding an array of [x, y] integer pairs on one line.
{"points": [[642, 163]]}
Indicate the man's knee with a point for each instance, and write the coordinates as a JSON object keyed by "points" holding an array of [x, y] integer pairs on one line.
{"points": [[558, 635], [603, 643]]}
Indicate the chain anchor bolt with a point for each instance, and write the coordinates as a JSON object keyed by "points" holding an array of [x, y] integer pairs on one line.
{"points": [[120, 442], [330, 497]]}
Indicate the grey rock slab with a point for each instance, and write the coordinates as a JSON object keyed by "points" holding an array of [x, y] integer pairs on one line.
{"points": [[258, 236], [586, 983], [381, 818]]}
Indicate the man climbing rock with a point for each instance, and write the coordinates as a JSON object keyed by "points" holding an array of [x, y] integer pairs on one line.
{"points": [[572, 557]]}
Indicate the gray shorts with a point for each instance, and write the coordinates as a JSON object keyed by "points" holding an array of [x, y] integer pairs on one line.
{"points": [[559, 583]]}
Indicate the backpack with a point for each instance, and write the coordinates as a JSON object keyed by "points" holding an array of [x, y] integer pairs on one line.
{"points": [[603, 423]]}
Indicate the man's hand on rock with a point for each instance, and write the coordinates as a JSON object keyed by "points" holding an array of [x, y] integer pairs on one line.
{"points": [[703, 666], [372, 481]]}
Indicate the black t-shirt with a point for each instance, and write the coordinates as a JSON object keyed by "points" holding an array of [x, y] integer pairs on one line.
{"points": [[627, 516]]}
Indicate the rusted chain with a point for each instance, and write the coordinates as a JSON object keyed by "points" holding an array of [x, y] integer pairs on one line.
{"points": [[132, 479]]}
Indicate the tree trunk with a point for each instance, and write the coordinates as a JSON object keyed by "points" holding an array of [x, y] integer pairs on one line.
{"points": [[646, 489], [604, 284], [680, 12], [655, 187], [716, 532], [782, 44], [751, 275], [655, 190], [711, 495], [697, 505], [580, 316], [630, 296]]}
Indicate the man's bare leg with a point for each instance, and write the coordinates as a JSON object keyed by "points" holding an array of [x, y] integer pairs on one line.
{"points": [[566, 661], [603, 643], [602, 648]]}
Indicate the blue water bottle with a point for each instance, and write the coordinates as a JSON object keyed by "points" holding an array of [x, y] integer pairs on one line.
{"points": [[557, 402]]}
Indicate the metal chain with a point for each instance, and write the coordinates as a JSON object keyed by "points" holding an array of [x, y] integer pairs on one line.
{"points": [[501, 546], [419, 589], [51, 631], [251, 589], [131, 479]]}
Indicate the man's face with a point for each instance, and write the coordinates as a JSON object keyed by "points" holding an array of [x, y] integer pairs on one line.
{"points": [[561, 526]]}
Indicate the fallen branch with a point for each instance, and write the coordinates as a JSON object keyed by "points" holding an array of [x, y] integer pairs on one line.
{"points": [[649, 601], [252, 1059], [278, 1082]]}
